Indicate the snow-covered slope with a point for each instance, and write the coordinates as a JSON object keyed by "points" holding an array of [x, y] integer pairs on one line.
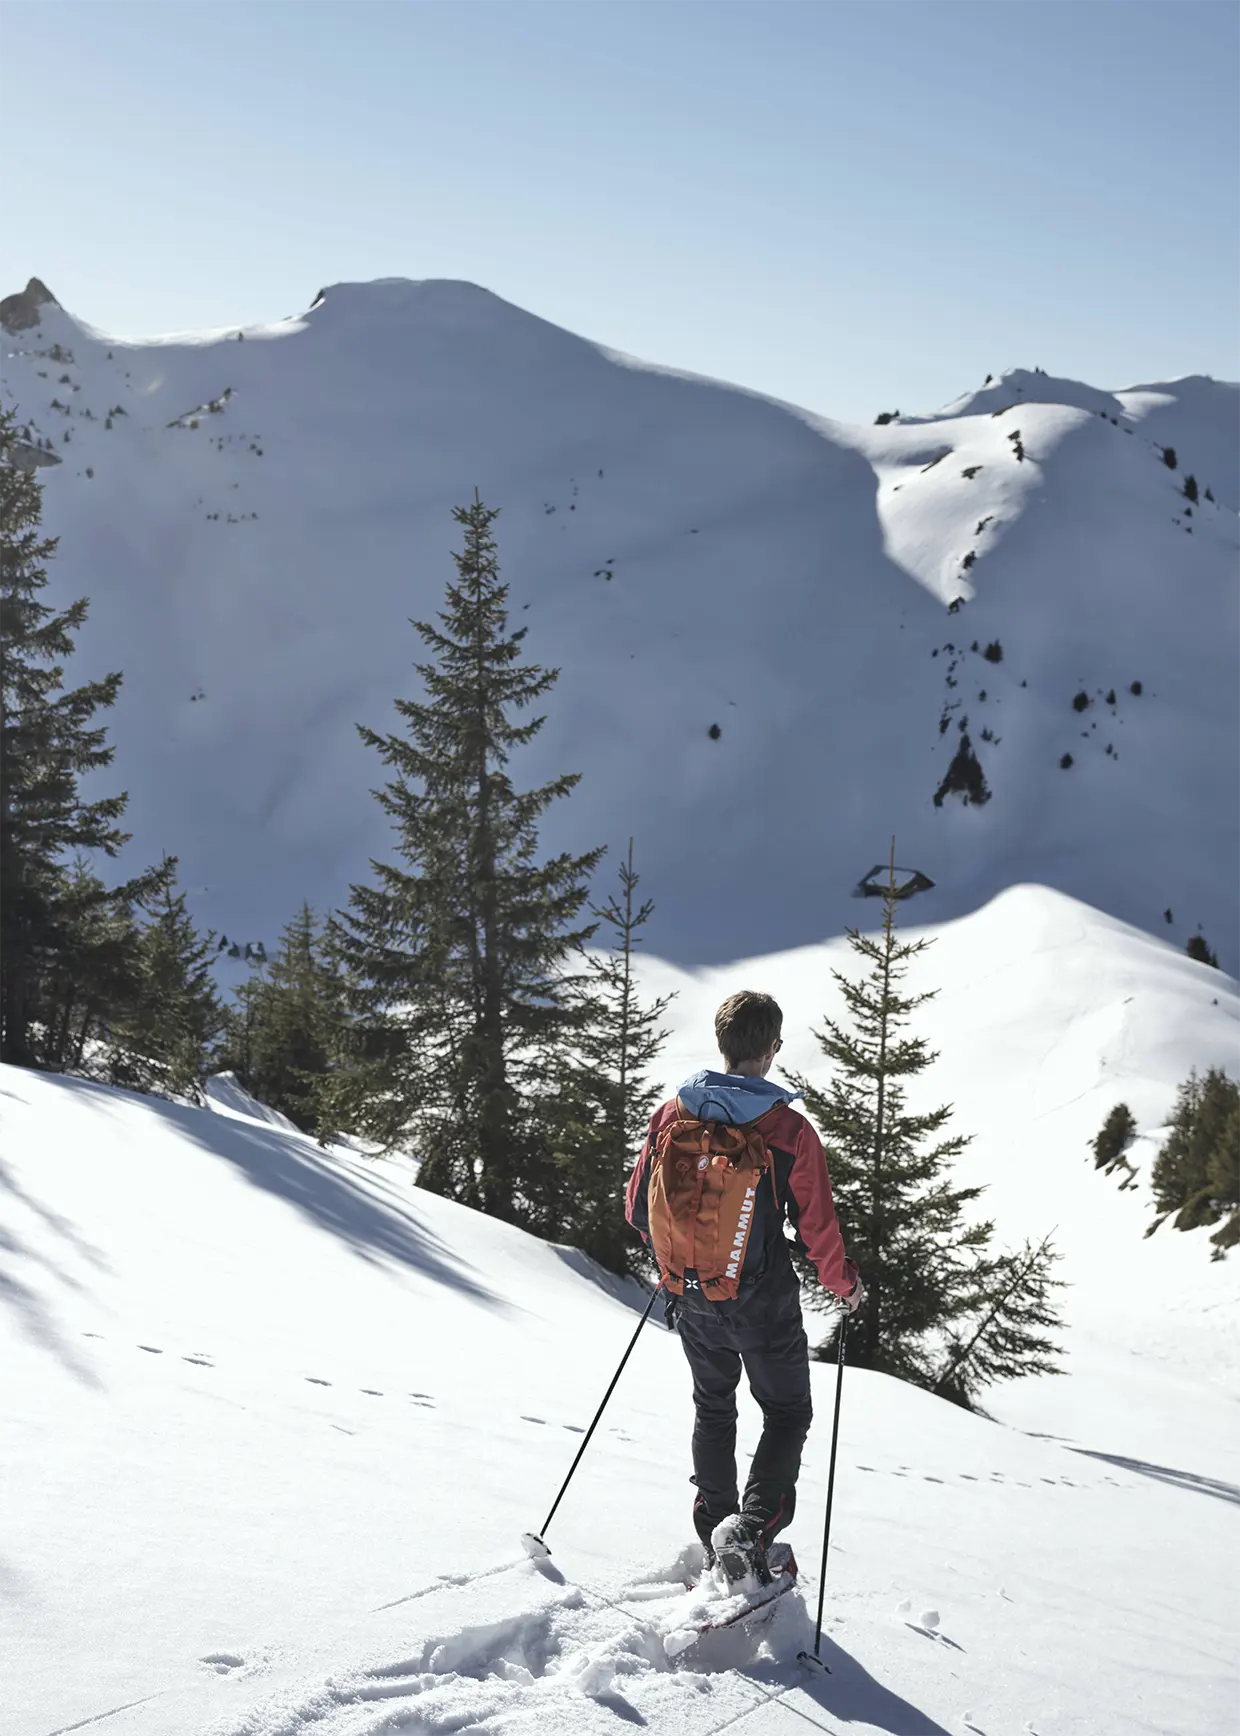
{"points": [[256, 515], [273, 1420]]}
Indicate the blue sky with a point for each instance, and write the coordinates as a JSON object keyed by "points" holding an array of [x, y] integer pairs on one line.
{"points": [[854, 204]]}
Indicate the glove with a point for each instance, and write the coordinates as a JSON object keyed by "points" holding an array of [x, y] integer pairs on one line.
{"points": [[855, 1297]]}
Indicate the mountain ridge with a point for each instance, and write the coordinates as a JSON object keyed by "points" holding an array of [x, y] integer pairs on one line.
{"points": [[694, 557]]}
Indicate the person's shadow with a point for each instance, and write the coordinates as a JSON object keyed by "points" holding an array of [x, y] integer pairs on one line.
{"points": [[850, 1692]]}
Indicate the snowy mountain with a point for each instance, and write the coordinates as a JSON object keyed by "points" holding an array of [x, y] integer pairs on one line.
{"points": [[1003, 632], [274, 1420]]}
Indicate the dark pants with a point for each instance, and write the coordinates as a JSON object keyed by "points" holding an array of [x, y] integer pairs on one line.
{"points": [[762, 1332]]}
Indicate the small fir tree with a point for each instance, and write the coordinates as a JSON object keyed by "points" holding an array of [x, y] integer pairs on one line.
{"points": [[940, 1309], [1004, 1333], [1196, 1175], [1113, 1139], [286, 1027], [165, 1041], [90, 978], [602, 1100], [1198, 947], [48, 743], [455, 957]]}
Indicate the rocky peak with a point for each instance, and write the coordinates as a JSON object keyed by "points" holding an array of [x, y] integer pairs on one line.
{"points": [[21, 311]]}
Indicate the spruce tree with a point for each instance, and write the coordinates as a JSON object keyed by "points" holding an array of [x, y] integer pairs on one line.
{"points": [[165, 1040], [286, 1028], [88, 983], [1196, 1175], [455, 955], [1113, 1139], [1003, 1332], [929, 1276], [1199, 948], [48, 743], [602, 1097]]}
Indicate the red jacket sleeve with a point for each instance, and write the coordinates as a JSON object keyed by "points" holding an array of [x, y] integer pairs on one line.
{"points": [[816, 1222]]}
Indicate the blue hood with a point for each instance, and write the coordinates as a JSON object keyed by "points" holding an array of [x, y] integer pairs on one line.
{"points": [[732, 1097]]}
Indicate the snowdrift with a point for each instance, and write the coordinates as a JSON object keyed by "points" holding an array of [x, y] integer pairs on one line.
{"points": [[761, 679], [275, 1419]]}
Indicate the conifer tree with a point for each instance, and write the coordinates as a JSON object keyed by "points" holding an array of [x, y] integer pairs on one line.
{"points": [[48, 742], [924, 1258], [1196, 1175], [89, 982], [1112, 1141], [1002, 1333], [455, 956], [603, 1099], [1199, 948], [286, 1028], [165, 1040]]}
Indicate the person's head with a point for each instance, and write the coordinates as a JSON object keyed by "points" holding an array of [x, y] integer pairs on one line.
{"points": [[747, 1029]]}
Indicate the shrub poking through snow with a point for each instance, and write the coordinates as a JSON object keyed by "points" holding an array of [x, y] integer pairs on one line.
{"points": [[1066, 763], [880, 421], [971, 472], [1190, 488], [1136, 689], [1169, 457], [714, 732], [993, 652], [1199, 948], [1080, 701]]}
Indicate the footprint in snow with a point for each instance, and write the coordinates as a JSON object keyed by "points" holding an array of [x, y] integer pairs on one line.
{"points": [[315, 1380], [423, 1399], [222, 1662], [526, 1419], [199, 1361], [370, 1391], [92, 1335], [572, 1428], [151, 1349], [931, 1479]]}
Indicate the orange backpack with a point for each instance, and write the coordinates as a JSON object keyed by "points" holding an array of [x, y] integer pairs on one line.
{"points": [[704, 1178]]}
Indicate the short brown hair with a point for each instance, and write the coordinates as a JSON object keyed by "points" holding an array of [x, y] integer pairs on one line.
{"points": [[747, 1025]]}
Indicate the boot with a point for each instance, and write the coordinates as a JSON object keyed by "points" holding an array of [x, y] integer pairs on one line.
{"points": [[740, 1551]]}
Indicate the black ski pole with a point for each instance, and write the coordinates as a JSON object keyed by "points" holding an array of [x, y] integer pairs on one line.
{"points": [[534, 1541], [813, 1658]]}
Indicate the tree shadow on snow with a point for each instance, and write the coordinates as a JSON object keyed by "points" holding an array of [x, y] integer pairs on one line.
{"points": [[34, 1315], [363, 1210], [1165, 1474]]}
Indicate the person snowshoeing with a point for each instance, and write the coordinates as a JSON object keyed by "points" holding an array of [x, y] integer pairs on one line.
{"points": [[724, 1165]]}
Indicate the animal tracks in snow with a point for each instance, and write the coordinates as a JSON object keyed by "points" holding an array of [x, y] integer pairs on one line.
{"points": [[201, 1359], [994, 1477]]}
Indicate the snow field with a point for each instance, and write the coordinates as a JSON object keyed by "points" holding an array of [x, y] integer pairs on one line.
{"points": [[280, 1419], [253, 576]]}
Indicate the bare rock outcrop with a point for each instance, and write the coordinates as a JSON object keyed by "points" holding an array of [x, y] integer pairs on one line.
{"points": [[21, 311]]}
